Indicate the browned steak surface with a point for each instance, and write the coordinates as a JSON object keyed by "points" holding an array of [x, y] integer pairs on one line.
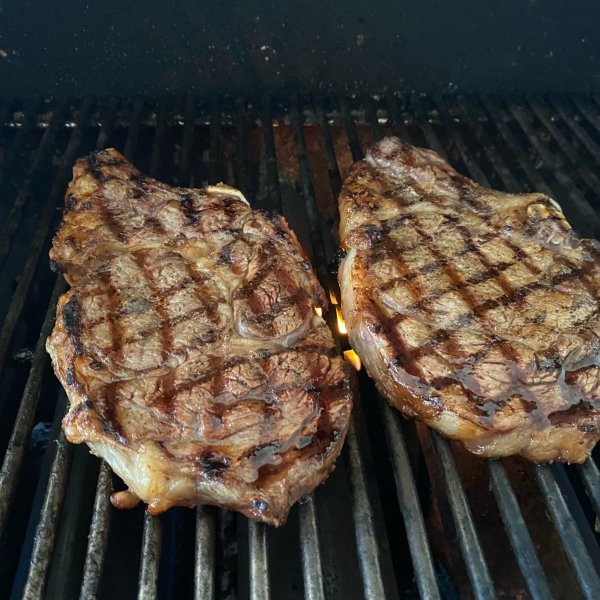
{"points": [[189, 345], [474, 310]]}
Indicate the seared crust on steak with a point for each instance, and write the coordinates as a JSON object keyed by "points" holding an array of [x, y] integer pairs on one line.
{"points": [[189, 346], [474, 310]]}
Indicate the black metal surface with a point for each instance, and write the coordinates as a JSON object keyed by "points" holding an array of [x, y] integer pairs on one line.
{"points": [[517, 531], [156, 48], [389, 525]]}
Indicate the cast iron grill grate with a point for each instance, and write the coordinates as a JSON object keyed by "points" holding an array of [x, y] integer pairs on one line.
{"points": [[405, 515]]}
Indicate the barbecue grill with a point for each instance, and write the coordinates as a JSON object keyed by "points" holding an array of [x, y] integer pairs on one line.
{"points": [[406, 514]]}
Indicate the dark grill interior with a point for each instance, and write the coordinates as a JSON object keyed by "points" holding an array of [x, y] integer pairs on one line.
{"points": [[406, 514]]}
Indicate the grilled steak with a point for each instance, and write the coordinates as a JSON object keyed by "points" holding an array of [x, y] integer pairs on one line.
{"points": [[473, 310], [189, 345]]}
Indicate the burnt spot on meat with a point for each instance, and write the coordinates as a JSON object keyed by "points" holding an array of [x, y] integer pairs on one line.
{"points": [[188, 208], [336, 261], [94, 166], [70, 204], [96, 366], [71, 316], [154, 224], [212, 465], [373, 234], [229, 205], [225, 257]]}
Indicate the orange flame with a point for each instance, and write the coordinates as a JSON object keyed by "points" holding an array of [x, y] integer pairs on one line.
{"points": [[341, 323], [319, 310], [332, 297], [353, 359]]}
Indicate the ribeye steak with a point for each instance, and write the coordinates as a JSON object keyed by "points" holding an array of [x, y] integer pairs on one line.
{"points": [[474, 310], [189, 345]]}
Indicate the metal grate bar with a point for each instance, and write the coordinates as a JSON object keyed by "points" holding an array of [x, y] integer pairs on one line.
{"points": [[309, 538], [367, 546], [43, 545], [407, 499], [204, 568], [260, 588], [204, 571], [371, 116], [23, 133], [590, 474], [152, 533], [578, 515], [586, 108], [314, 216], [335, 179], [555, 163], [49, 520], [477, 568], [14, 216], [108, 124], [397, 119], [100, 524], [474, 169], [350, 128], [241, 119], [17, 445], [426, 128], [134, 128], [566, 113], [518, 534], [5, 108], [189, 123], [567, 522], [515, 148], [509, 508], [540, 108], [214, 157], [409, 504], [510, 183], [151, 543], [20, 295], [159, 137], [570, 536], [98, 537], [311, 551], [272, 180], [362, 511], [226, 519]]}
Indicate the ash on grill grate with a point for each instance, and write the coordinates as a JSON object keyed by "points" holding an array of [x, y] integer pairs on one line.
{"points": [[405, 514]]}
